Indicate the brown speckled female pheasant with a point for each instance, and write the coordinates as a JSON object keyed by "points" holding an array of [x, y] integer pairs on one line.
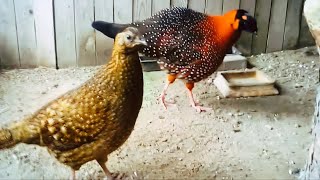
{"points": [[189, 44], [92, 121]]}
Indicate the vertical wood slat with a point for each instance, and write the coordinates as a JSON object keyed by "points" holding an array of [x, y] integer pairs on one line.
{"points": [[65, 33], [197, 5], [230, 5], [9, 51], [262, 14], [292, 27], [123, 11], [305, 37], [245, 41], [142, 9], [85, 41], [44, 27], [159, 5], [277, 24], [214, 7], [104, 44], [27, 40], [179, 3]]}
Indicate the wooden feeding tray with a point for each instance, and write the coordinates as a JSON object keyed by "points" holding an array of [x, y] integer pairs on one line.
{"points": [[245, 83]]}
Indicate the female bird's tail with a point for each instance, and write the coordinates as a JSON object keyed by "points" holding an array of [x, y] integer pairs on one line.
{"points": [[26, 131]]}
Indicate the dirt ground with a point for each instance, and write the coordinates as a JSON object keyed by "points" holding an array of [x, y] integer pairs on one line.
{"points": [[246, 138]]}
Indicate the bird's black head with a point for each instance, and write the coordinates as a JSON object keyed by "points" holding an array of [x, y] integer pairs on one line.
{"points": [[246, 22]]}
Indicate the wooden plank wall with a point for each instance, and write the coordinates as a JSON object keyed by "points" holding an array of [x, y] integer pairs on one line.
{"points": [[58, 33]]}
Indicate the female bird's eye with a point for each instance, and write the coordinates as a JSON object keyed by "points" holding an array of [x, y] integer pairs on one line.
{"points": [[129, 37]]}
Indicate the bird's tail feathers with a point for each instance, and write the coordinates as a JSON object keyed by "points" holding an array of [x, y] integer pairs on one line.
{"points": [[6, 139], [26, 131], [109, 29]]}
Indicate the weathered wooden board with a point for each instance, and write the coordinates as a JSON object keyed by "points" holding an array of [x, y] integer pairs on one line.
{"points": [[179, 3], [104, 45], [292, 27], [277, 24], [230, 5], [245, 42], [262, 14], [85, 40], [158, 5], [65, 33], [214, 7], [197, 5], [27, 40], [46, 53], [123, 11], [142, 9], [9, 51]]}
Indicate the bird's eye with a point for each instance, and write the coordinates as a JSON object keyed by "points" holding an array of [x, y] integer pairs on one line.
{"points": [[129, 37]]}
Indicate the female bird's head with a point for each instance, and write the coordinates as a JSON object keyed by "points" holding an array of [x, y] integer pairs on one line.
{"points": [[241, 20], [130, 39]]}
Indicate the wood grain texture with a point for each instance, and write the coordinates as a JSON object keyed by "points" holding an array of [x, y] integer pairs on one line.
{"points": [[104, 45], [214, 7], [245, 42], [65, 33], [292, 27], [230, 5], [179, 3], [43, 11], [85, 40], [197, 5], [262, 14], [159, 5], [9, 50], [277, 24], [27, 40], [142, 9], [123, 11]]}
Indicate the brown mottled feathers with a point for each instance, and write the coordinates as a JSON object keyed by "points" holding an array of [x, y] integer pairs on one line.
{"points": [[93, 120]]}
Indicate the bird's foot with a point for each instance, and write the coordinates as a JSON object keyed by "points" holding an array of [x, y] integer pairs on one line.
{"points": [[200, 108], [164, 103]]}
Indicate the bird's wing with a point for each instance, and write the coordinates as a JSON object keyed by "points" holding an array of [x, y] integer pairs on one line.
{"points": [[76, 118]]}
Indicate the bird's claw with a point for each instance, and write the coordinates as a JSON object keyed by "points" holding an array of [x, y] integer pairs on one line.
{"points": [[164, 103]]}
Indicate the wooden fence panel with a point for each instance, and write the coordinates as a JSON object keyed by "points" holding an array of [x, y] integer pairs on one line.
{"points": [[121, 15], [142, 9], [9, 51], [214, 7], [26, 33], [159, 5], [292, 27], [197, 5], [103, 11], [262, 14], [277, 24], [85, 40], [179, 3], [65, 33], [230, 5], [41, 32], [44, 26], [245, 41]]}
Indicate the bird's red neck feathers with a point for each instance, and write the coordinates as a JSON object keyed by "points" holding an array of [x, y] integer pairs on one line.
{"points": [[226, 28]]}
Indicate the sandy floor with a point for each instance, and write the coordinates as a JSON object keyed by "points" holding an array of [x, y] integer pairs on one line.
{"points": [[272, 142]]}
